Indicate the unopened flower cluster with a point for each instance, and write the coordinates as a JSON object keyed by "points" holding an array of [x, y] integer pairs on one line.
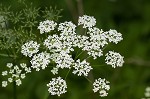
{"points": [[60, 45], [15, 73], [147, 93]]}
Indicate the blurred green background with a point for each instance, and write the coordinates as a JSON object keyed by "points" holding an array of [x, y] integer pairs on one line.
{"points": [[130, 17]]}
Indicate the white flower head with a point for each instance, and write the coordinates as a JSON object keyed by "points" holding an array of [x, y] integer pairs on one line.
{"points": [[114, 59], [57, 86], [30, 48], [62, 59], [40, 61], [114, 36], [87, 21], [47, 26], [67, 28], [81, 68], [98, 36], [53, 43], [101, 85]]}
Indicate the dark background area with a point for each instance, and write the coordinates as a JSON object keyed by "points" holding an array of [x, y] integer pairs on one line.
{"points": [[129, 17]]}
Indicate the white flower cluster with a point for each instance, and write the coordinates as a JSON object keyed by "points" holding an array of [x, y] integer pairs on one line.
{"points": [[30, 48], [40, 60], [15, 73], [114, 36], [101, 86], [47, 26], [82, 68], [147, 93], [61, 45], [98, 36], [53, 43], [87, 21], [63, 60], [67, 27], [114, 59], [57, 86]]}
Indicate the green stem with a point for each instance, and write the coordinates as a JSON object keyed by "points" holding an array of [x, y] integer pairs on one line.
{"points": [[67, 73], [87, 57], [78, 55], [105, 47], [88, 79], [14, 90], [85, 31]]}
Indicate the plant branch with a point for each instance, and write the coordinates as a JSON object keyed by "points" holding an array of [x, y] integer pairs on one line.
{"points": [[72, 10], [5, 55], [14, 90], [67, 73], [80, 7]]}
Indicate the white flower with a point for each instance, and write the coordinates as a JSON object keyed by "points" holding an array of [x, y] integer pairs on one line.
{"points": [[87, 21], [27, 70], [23, 65], [18, 82], [67, 28], [101, 86], [4, 73], [114, 59], [47, 26], [10, 80], [9, 65], [103, 93], [22, 76], [147, 89], [114, 36], [4, 83], [147, 92], [81, 68], [40, 61], [30, 48], [57, 86]]}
